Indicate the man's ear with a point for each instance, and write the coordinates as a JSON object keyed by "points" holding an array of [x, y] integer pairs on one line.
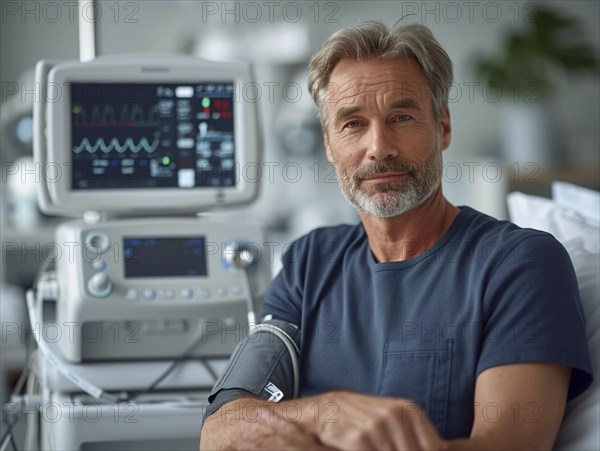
{"points": [[445, 129], [327, 148]]}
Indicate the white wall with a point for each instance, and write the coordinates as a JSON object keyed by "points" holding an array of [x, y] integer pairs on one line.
{"points": [[281, 41], [173, 26]]}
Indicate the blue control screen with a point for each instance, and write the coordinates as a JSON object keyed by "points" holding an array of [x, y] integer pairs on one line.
{"points": [[140, 135], [165, 257]]}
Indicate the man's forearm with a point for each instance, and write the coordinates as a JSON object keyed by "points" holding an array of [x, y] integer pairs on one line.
{"points": [[255, 423], [332, 420]]}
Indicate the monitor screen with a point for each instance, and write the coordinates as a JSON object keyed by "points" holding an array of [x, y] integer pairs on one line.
{"points": [[164, 257], [152, 135]]}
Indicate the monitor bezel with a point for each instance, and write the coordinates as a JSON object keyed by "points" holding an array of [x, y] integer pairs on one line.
{"points": [[149, 69]]}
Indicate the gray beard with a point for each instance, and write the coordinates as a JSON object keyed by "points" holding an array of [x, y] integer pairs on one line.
{"points": [[387, 200]]}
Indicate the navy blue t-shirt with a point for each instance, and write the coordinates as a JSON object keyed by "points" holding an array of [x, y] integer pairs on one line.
{"points": [[487, 293]]}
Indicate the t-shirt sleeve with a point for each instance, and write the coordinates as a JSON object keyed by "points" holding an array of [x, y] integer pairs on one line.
{"points": [[532, 312], [284, 298]]}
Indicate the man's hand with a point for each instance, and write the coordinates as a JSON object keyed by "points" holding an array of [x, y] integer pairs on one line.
{"points": [[352, 422], [377, 423]]}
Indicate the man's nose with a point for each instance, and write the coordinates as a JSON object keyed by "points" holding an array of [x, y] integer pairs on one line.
{"points": [[382, 145]]}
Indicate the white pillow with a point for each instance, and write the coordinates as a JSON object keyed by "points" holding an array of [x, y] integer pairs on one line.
{"points": [[580, 428], [584, 201], [580, 236], [544, 214]]}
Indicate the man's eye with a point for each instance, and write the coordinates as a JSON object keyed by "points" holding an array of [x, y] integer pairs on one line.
{"points": [[403, 118], [351, 124]]}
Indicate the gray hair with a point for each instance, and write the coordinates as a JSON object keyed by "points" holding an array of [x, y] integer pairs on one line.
{"points": [[373, 39]]}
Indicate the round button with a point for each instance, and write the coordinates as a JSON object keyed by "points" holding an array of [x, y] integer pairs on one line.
{"points": [[149, 294], [235, 290], [221, 291], [186, 293], [99, 265], [100, 285], [98, 241]]}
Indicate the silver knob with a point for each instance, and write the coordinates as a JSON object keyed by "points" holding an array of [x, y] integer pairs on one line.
{"points": [[240, 255], [100, 285]]}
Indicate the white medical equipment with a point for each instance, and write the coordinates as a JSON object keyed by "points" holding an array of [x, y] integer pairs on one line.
{"points": [[148, 295], [151, 285], [137, 135]]}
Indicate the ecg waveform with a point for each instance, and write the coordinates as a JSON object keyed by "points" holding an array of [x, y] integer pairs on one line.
{"points": [[114, 144], [128, 115]]}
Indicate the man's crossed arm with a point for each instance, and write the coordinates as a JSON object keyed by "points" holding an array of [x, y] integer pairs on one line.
{"points": [[351, 421]]}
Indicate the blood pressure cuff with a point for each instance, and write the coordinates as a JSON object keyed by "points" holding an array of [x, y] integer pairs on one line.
{"points": [[261, 365]]}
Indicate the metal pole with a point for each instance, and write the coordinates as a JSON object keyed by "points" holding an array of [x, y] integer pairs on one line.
{"points": [[87, 30]]}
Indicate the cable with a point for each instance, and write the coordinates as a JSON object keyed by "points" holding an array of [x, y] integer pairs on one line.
{"points": [[174, 364], [8, 435], [34, 305], [12, 440], [249, 300], [41, 271], [35, 309], [212, 372], [23, 376], [32, 424], [241, 256], [158, 380]]}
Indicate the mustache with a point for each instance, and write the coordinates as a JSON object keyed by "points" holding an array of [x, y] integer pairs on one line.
{"points": [[371, 169]]}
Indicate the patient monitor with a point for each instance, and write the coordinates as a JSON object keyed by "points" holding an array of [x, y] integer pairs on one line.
{"points": [[137, 134], [146, 142]]}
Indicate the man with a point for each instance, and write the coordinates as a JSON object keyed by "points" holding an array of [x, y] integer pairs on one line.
{"points": [[425, 326]]}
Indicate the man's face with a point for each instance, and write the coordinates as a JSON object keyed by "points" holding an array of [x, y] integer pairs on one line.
{"points": [[381, 135]]}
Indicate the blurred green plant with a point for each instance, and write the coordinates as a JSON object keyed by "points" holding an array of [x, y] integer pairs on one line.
{"points": [[533, 59]]}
